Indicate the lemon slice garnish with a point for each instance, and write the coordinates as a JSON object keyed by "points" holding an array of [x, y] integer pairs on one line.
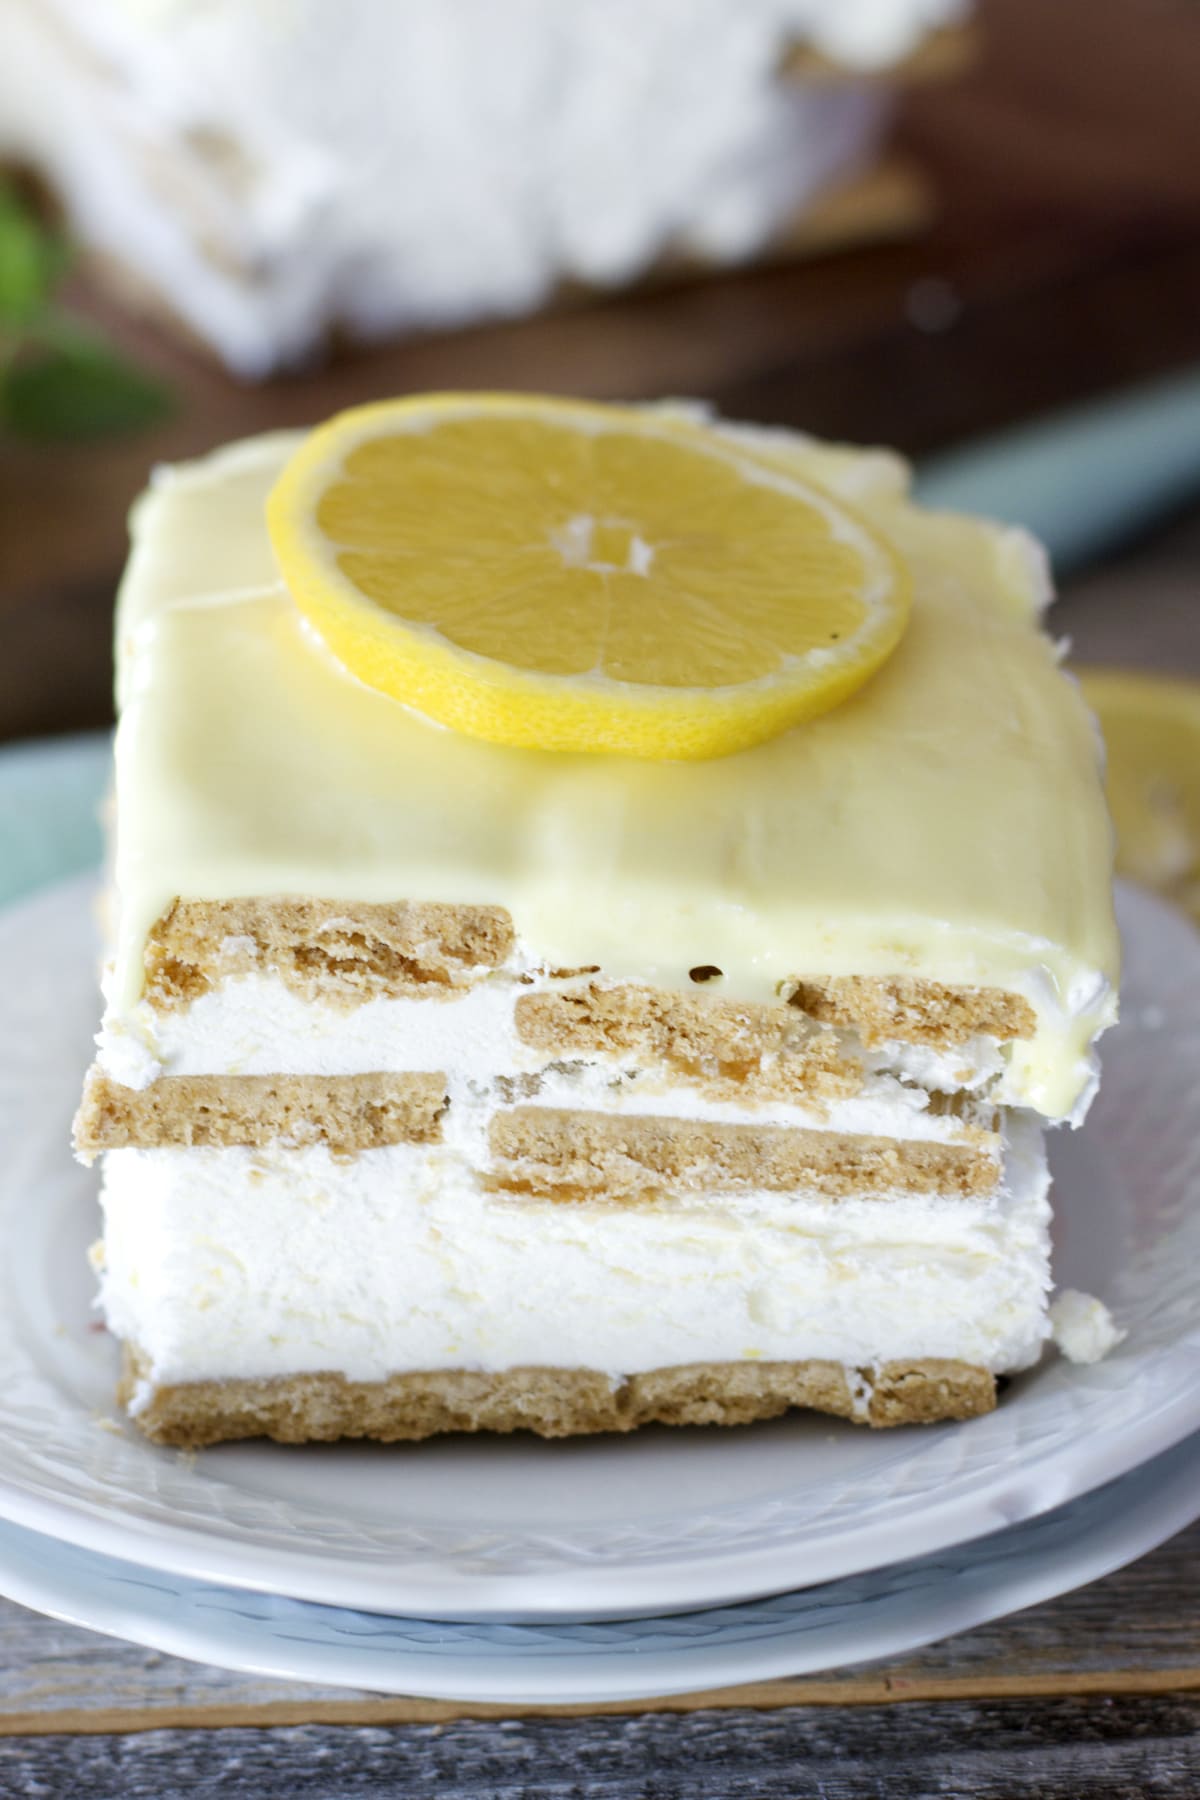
{"points": [[1151, 726], [567, 576]]}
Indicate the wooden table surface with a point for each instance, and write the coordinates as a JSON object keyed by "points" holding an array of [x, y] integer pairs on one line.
{"points": [[1066, 262]]}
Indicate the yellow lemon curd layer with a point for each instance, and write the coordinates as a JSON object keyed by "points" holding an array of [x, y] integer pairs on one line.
{"points": [[947, 821]]}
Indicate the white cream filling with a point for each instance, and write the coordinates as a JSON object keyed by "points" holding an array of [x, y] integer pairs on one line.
{"points": [[977, 1066], [1083, 1328], [227, 1263], [255, 1025], [889, 1111]]}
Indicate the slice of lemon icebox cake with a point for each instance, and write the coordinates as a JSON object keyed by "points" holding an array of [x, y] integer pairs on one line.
{"points": [[607, 903]]}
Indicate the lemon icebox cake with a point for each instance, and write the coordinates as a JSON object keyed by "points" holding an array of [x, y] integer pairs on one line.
{"points": [[605, 905]]}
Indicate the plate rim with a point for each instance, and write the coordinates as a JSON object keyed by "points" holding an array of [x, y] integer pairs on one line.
{"points": [[983, 1583]]}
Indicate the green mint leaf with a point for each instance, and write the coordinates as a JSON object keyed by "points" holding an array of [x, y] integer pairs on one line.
{"points": [[79, 389], [31, 261]]}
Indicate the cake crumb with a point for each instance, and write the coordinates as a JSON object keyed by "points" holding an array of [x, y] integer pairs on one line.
{"points": [[1082, 1327]]}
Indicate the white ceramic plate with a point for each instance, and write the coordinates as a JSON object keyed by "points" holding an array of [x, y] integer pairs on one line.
{"points": [[662, 1521], [884, 1613]]}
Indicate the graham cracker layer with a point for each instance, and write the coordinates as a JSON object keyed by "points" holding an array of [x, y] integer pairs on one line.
{"points": [[560, 1154], [347, 1112], [733, 1049], [912, 1009], [338, 952], [296, 1409], [343, 953]]}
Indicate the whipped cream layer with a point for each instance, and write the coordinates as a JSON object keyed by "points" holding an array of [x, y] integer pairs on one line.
{"points": [[257, 1025], [252, 1263], [946, 822]]}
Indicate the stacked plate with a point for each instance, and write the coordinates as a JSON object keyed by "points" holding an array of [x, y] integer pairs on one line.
{"points": [[600, 1569]]}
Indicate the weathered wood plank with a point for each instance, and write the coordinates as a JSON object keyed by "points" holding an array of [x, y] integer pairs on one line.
{"points": [[1137, 1631], [862, 1692], [1055, 1750]]}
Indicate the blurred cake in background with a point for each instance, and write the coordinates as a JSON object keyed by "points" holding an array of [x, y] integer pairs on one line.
{"points": [[268, 172]]}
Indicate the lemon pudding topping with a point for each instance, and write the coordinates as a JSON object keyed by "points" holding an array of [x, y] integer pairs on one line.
{"points": [[943, 822]]}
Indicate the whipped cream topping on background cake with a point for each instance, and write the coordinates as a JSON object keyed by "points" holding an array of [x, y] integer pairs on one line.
{"points": [[270, 170]]}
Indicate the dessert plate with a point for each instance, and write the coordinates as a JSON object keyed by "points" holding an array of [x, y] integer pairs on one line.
{"points": [[884, 1613], [602, 1528], [663, 1520]]}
